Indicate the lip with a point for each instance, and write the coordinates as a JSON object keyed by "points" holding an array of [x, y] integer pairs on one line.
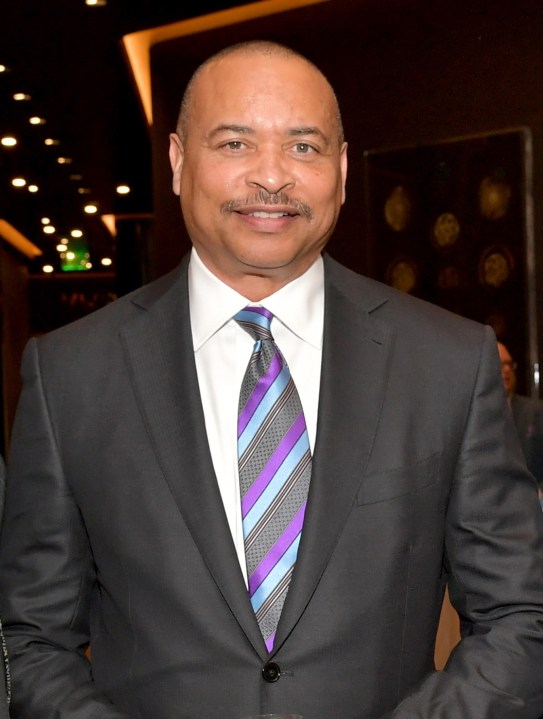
{"points": [[267, 211], [274, 218]]}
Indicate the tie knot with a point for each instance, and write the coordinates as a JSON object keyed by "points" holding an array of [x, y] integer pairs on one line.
{"points": [[256, 321]]}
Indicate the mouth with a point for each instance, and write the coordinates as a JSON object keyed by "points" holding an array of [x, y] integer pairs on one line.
{"points": [[265, 206], [268, 215]]}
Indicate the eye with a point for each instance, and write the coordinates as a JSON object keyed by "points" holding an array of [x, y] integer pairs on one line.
{"points": [[303, 148], [234, 145]]}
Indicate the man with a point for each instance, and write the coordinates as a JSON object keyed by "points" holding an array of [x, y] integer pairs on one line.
{"points": [[527, 415], [4, 667], [124, 525]]}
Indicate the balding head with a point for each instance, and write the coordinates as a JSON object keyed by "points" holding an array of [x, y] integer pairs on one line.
{"points": [[254, 47]]}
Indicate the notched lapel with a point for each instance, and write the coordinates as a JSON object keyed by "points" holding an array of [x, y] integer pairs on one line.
{"points": [[354, 373], [161, 363]]}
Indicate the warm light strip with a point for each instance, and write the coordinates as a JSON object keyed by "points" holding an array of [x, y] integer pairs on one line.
{"points": [[137, 45], [110, 222], [18, 240]]}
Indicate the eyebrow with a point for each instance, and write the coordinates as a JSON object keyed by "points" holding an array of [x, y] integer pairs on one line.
{"points": [[246, 130], [236, 129]]}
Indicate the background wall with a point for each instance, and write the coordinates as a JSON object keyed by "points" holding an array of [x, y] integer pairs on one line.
{"points": [[405, 72]]}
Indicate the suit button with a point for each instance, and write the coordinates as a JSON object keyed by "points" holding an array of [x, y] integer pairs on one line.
{"points": [[271, 672]]}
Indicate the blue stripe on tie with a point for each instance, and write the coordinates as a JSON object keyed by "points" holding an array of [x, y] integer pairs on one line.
{"points": [[254, 318], [276, 574], [271, 396], [275, 486]]}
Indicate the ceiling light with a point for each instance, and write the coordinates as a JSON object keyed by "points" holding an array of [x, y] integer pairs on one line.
{"points": [[48, 269], [8, 141], [106, 261], [76, 233], [91, 208], [49, 229], [18, 182], [76, 178], [96, 3], [62, 247], [88, 266], [21, 96], [70, 256], [35, 120], [45, 220], [64, 160], [123, 189], [51, 141], [84, 190], [3, 68], [33, 188]]}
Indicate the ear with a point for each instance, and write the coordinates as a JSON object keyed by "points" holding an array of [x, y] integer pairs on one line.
{"points": [[343, 169], [177, 154]]}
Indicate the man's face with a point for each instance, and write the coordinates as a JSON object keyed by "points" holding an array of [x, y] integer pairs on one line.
{"points": [[509, 376], [261, 174]]}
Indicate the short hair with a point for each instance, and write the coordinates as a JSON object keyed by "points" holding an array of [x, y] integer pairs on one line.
{"points": [[257, 47]]}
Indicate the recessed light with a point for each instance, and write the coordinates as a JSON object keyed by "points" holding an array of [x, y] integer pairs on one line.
{"points": [[123, 189], [21, 97], [64, 160], [18, 182], [45, 220], [91, 208], [96, 3], [83, 190], [48, 269], [76, 233], [62, 247], [51, 141], [4, 68], [35, 120], [33, 188], [49, 229], [106, 261], [9, 141]]}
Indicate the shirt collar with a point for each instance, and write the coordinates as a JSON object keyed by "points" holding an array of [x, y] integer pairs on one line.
{"points": [[213, 303]]}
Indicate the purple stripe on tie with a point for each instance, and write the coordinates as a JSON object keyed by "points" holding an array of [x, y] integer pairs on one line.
{"points": [[276, 552], [263, 385], [282, 451], [269, 642], [261, 311]]}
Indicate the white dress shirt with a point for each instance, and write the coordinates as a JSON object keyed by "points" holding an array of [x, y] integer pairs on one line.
{"points": [[222, 350]]}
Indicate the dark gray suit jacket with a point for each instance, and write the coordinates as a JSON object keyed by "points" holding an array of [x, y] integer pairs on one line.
{"points": [[115, 531]]}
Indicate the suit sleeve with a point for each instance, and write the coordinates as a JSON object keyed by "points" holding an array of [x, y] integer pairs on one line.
{"points": [[494, 559], [46, 572]]}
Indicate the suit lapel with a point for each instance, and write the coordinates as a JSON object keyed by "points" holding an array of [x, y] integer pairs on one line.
{"points": [[160, 356], [355, 347]]}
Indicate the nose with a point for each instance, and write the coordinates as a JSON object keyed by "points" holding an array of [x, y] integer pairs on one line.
{"points": [[270, 170]]}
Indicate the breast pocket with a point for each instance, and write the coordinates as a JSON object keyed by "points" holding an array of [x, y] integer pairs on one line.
{"points": [[399, 481]]}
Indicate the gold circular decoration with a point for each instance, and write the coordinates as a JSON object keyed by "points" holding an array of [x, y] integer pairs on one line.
{"points": [[494, 198], [446, 230], [448, 278], [495, 266], [402, 274], [398, 209]]}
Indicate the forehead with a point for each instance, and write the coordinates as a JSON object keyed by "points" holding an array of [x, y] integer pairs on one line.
{"points": [[504, 354], [268, 89]]}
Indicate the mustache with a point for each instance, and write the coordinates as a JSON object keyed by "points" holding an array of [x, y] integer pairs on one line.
{"points": [[271, 199]]}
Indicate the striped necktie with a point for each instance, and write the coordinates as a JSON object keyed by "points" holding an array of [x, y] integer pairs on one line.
{"points": [[274, 470]]}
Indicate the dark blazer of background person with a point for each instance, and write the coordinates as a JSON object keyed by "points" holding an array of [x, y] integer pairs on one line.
{"points": [[528, 417], [115, 530], [4, 669]]}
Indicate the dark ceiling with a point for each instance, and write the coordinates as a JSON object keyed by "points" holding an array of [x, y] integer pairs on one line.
{"points": [[67, 57]]}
